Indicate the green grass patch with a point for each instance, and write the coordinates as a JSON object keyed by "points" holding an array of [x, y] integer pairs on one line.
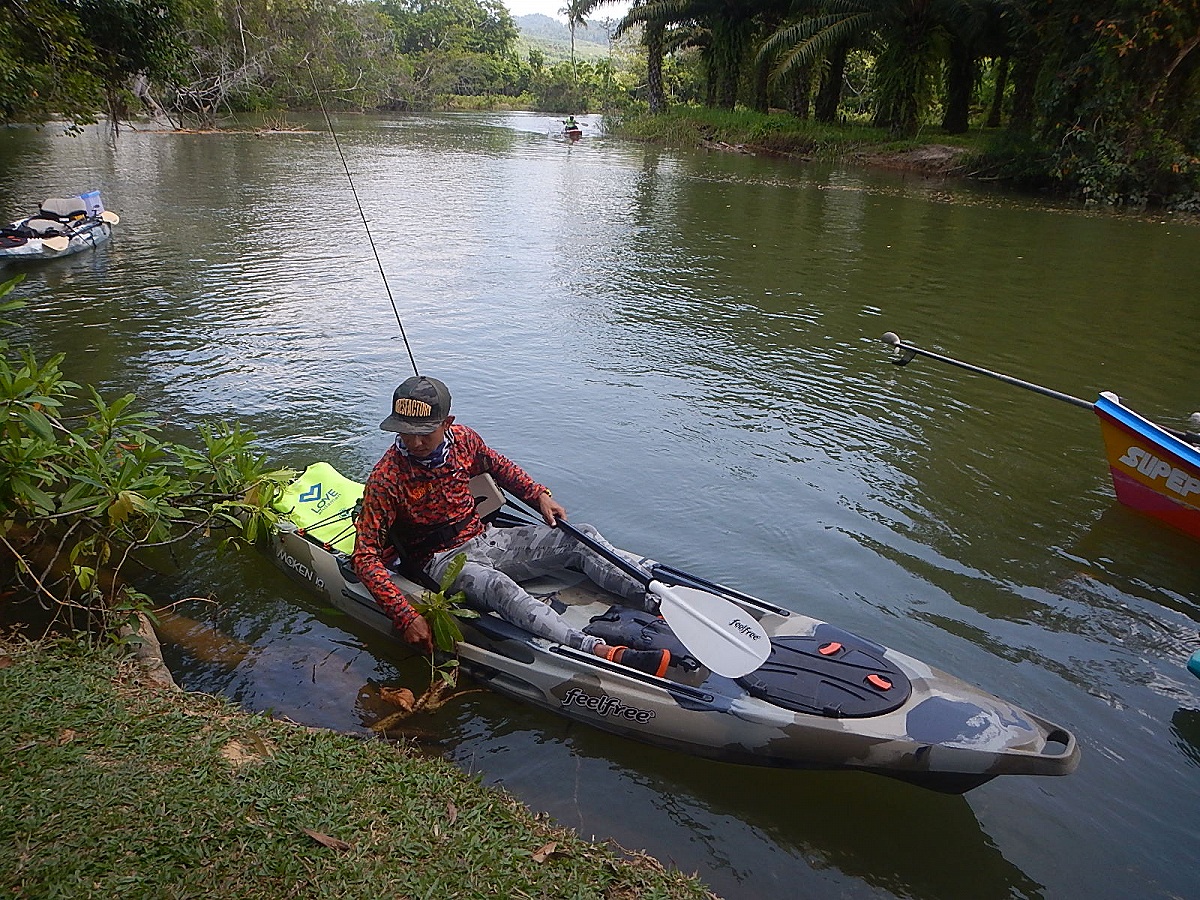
{"points": [[113, 787], [776, 132]]}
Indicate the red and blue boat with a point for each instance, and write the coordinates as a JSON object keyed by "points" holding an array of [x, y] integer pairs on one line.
{"points": [[1154, 470]]}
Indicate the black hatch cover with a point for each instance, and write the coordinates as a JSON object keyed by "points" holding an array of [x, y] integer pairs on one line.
{"points": [[833, 673]]}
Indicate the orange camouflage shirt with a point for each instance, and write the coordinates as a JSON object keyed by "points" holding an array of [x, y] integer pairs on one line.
{"points": [[402, 491]]}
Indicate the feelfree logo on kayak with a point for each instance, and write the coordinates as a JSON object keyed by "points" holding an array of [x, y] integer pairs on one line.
{"points": [[607, 706], [1152, 467]]}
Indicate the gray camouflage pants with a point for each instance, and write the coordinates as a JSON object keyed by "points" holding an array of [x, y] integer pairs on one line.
{"points": [[500, 555]]}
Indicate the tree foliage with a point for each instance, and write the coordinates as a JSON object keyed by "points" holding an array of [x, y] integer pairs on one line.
{"points": [[88, 485]]}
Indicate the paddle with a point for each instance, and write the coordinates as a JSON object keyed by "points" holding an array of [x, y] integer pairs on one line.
{"points": [[58, 243], [720, 634], [110, 217]]}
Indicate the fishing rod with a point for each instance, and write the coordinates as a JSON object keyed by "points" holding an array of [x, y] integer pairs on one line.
{"points": [[366, 227]]}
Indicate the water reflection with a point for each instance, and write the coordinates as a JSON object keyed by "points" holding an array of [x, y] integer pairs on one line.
{"points": [[1185, 725]]}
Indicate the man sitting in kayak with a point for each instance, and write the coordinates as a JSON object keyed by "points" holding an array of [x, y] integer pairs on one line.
{"points": [[417, 501]]}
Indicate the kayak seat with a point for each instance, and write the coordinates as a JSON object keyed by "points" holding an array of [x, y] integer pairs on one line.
{"points": [[63, 209], [832, 673], [487, 495], [622, 625], [40, 227]]}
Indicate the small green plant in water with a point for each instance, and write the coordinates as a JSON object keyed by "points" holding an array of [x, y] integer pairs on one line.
{"points": [[89, 491], [441, 610]]}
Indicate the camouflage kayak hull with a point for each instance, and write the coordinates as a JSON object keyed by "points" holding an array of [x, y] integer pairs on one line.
{"points": [[825, 699]]}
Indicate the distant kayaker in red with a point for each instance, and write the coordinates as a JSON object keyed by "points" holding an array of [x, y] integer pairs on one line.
{"points": [[418, 506]]}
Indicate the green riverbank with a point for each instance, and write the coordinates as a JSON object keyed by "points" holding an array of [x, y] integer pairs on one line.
{"points": [[777, 134], [113, 785]]}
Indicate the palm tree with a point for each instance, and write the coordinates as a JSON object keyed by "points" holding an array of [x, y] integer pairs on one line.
{"points": [[653, 33], [729, 24], [576, 12], [984, 30], [909, 38]]}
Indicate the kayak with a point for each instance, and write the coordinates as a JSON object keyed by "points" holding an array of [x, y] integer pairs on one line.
{"points": [[823, 699], [61, 227], [1194, 664]]}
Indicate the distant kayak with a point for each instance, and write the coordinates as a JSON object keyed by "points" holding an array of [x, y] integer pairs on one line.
{"points": [[824, 698], [61, 227]]}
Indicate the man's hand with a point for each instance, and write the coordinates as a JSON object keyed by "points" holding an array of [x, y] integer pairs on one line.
{"points": [[417, 633], [551, 509]]}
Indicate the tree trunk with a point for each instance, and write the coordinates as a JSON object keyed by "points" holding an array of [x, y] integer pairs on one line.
{"points": [[1001, 66], [800, 92], [830, 94], [725, 54], [960, 85], [654, 60], [762, 72], [1024, 73], [710, 79]]}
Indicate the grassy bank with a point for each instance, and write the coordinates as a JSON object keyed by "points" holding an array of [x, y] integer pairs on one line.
{"points": [[786, 135], [113, 786]]}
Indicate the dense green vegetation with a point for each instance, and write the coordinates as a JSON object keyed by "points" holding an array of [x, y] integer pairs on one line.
{"points": [[1098, 98], [88, 488]]}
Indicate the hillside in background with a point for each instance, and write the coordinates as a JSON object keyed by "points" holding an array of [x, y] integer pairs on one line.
{"points": [[552, 37]]}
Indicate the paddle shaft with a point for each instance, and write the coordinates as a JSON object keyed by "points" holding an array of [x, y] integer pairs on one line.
{"points": [[737, 635], [905, 352], [616, 559], [677, 576]]}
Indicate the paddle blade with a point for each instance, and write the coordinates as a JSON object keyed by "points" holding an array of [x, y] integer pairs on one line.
{"points": [[718, 632], [57, 244], [110, 217]]}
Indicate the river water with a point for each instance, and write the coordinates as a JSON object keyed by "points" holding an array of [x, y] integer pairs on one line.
{"points": [[686, 346]]}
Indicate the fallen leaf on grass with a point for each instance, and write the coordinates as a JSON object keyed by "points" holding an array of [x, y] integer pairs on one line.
{"points": [[5, 662], [451, 812], [326, 841], [400, 697], [66, 736], [544, 852], [247, 749]]}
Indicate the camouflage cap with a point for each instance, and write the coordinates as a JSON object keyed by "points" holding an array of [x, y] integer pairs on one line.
{"points": [[419, 406]]}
